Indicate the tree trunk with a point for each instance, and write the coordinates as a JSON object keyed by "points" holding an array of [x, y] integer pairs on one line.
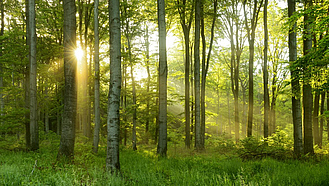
{"points": [[296, 104], [46, 107], [147, 43], [113, 118], [198, 137], [97, 79], [315, 118], [307, 88], [265, 75], [323, 94], [70, 95], [33, 78], [162, 145], [134, 138], [186, 26]]}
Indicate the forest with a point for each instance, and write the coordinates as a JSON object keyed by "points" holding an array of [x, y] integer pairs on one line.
{"points": [[166, 92]]}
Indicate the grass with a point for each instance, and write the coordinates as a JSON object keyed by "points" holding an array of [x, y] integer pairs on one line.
{"points": [[142, 167]]}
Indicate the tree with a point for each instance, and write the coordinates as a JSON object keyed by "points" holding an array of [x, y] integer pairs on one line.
{"points": [[265, 74], [97, 78], [113, 118], [307, 88], [33, 77], [295, 86], [198, 140], [162, 145], [66, 147], [251, 39], [233, 32], [205, 67], [186, 22]]}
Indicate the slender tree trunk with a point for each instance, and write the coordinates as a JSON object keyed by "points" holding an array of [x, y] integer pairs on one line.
{"points": [[187, 86], [307, 88], [134, 138], [265, 74], [323, 94], [33, 78], [46, 107], [147, 43], [70, 93], [113, 118], [251, 40], [316, 118], [198, 140], [97, 79], [162, 145], [296, 104]]}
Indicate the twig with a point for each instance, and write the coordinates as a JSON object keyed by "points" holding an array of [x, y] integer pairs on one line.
{"points": [[35, 165]]}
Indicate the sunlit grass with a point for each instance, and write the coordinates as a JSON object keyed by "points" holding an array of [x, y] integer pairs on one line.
{"points": [[143, 167]]}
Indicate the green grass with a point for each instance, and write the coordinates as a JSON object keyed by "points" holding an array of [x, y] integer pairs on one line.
{"points": [[18, 167]]}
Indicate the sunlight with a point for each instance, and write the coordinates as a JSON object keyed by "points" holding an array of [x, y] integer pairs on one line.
{"points": [[78, 53]]}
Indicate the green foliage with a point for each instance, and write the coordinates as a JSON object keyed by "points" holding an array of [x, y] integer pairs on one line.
{"points": [[277, 146]]}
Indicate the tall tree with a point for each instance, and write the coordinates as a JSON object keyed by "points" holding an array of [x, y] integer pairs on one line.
{"points": [[27, 82], [66, 147], [113, 118], [33, 77], [251, 39], [307, 88], [162, 145], [186, 22], [205, 67], [97, 78], [265, 74], [198, 140], [296, 104]]}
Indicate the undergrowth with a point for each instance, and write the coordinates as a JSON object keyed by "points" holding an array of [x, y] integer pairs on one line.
{"points": [[218, 165]]}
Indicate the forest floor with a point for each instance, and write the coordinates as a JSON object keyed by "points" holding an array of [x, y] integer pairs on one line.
{"points": [[215, 166]]}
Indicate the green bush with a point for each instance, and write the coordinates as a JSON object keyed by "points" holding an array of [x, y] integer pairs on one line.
{"points": [[277, 146]]}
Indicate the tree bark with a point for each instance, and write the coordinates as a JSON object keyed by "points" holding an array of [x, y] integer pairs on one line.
{"points": [[113, 118], [315, 119], [296, 104], [265, 75], [33, 78], [186, 26], [70, 93], [97, 78], [147, 43], [307, 88], [323, 94], [162, 145], [198, 140]]}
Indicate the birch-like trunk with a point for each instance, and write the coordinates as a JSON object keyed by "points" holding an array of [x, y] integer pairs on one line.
{"points": [[162, 145], [113, 118]]}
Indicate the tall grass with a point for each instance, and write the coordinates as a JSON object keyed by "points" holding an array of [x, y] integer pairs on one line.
{"points": [[143, 167]]}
